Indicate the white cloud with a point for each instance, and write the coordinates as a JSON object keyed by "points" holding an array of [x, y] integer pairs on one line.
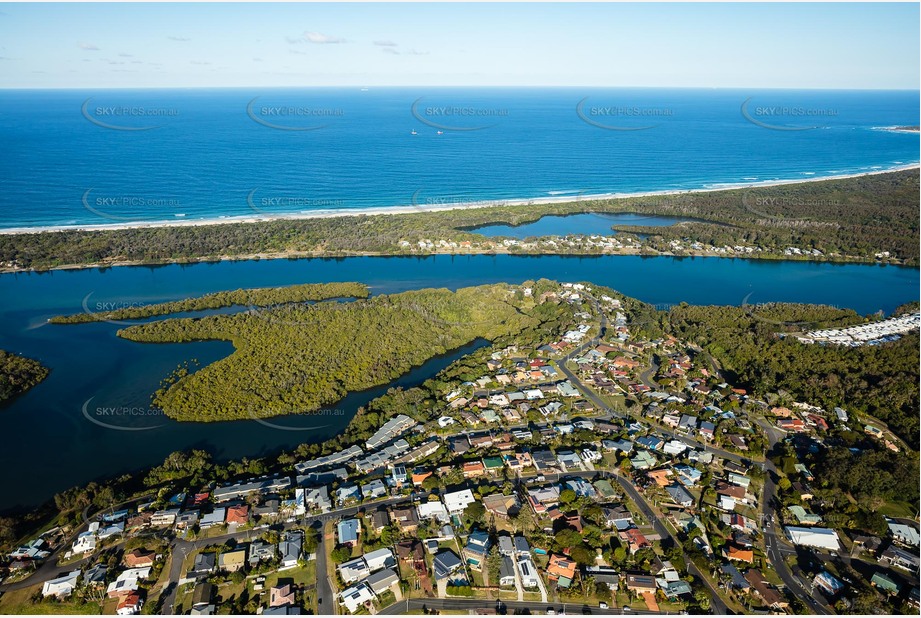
{"points": [[88, 47], [181, 39], [390, 50], [323, 39], [385, 43]]}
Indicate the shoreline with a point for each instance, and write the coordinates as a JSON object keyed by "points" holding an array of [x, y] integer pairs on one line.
{"points": [[411, 209], [310, 255]]}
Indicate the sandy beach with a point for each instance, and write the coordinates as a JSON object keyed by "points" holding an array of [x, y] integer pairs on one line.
{"points": [[410, 209]]}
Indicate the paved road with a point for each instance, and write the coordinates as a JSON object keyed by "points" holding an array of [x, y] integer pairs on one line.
{"points": [[325, 600], [774, 541], [50, 569], [508, 607], [717, 606]]}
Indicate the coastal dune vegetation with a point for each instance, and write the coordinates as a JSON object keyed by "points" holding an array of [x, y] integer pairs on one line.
{"points": [[256, 297], [846, 219], [294, 359]]}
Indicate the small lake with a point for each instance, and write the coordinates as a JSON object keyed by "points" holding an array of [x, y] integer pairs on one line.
{"points": [[58, 447], [588, 224]]}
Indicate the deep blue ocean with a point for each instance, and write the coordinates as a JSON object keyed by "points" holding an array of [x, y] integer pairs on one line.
{"points": [[118, 156]]}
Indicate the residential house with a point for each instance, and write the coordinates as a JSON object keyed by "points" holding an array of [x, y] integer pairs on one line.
{"points": [[884, 582], [354, 570], [379, 559], [279, 596], [290, 548], [348, 531], [433, 509], [381, 581], [139, 558], [475, 549], [561, 569], [762, 589], [237, 514], [640, 584], [129, 605], [127, 581], [457, 501], [502, 505], [61, 587], [506, 572], [232, 561], [379, 520], [205, 563], [680, 495], [445, 564], [356, 596], [634, 539], [406, 518], [261, 552]]}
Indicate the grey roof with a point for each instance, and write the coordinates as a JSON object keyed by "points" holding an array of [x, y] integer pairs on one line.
{"points": [[737, 580], [290, 546], [204, 562], [95, 574], [445, 563], [506, 568], [381, 580], [679, 494]]}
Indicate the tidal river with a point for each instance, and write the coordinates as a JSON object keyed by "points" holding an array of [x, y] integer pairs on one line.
{"points": [[50, 444]]}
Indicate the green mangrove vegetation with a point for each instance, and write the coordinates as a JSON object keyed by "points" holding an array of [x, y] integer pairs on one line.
{"points": [[18, 374], [256, 297], [294, 359]]}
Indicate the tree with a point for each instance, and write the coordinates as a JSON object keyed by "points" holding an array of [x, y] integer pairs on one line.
{"points": [[702, 596], [475, 512], [341, 554], [311, 539], [430, 483], [493, 565], [567, 496]]}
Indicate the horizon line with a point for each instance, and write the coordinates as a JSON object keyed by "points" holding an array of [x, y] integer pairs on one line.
{"points": [[492, 86]]}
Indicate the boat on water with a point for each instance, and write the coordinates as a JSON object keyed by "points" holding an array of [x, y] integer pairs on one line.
{"points": [[413, 132]]}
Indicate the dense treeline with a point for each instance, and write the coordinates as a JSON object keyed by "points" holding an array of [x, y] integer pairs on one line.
{"points": [[878, 380], [18, 374], [294, 359], [854, 217], [257, 297]]}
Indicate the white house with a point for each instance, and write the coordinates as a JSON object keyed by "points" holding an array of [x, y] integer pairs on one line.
{"points": [[62, 586], [457, 501], [354, 570], [128, 581], [85, 543], [355, 597], [445, 421], [528, 572], [824, 538], [433, 510], [379, 559]]}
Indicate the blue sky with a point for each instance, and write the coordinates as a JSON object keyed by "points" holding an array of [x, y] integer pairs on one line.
{"points": [[650, 45]]}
